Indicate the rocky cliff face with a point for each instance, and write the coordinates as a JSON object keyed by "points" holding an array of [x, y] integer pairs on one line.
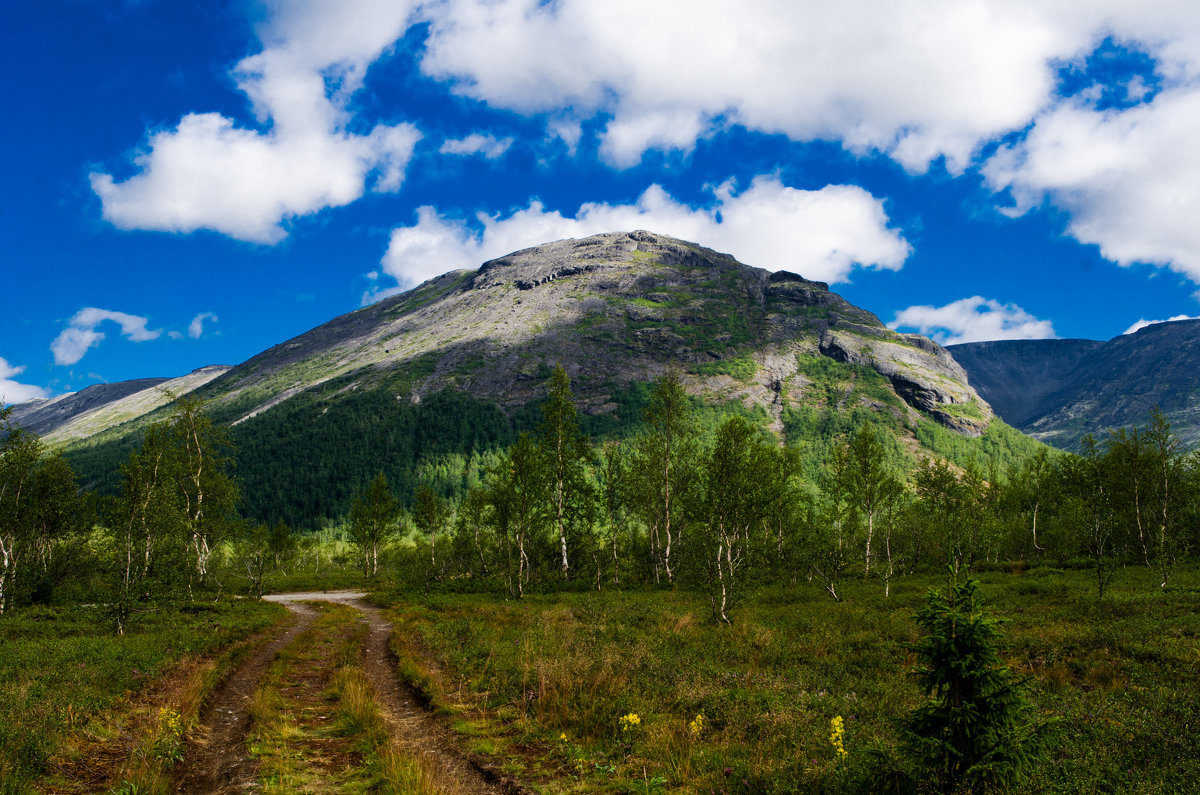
{"points": [[921, 371], [1059, 390]]}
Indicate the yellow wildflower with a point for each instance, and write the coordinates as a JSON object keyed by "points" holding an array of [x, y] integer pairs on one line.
{"points": [[696, 726], [836, 732], [630, 721], [171, 721]]}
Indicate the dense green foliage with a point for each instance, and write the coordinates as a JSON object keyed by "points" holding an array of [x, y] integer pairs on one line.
{"points": [[694, 501]]}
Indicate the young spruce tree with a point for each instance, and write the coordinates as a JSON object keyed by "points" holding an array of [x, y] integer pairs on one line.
{"points": [[974, 733]]}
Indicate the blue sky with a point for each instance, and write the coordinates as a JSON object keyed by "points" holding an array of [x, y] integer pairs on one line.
{"points": [[191, 183]]}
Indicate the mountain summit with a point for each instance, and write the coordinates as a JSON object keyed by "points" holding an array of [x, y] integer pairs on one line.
{"points": [[612, 309]]}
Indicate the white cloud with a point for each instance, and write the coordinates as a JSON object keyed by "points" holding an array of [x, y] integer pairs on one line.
{"points": [[1141, 324], [196, 327], [209, 173], [820, 234], [915, 80], [1130, 179], [489, 146], [81, 335], [972, 320], [14, 392]]}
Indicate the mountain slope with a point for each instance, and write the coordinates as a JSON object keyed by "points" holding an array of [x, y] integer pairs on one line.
{"points": [[613, 309], [423, 385], [79, 415], [1059, 390]]}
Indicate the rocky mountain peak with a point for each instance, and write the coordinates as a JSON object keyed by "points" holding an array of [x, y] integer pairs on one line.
{"points": [[613, 309]]}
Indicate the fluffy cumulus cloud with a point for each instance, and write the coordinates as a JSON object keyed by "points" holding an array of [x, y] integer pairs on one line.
{"points": [[972, 320], [208, 172], [1130, 179], [15, 392], [918, 81], [915, 80], [488, 146], [1141, 324], [82, 333], [820, 234]]}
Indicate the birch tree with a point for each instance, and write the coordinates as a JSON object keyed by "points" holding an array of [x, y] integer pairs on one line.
{"points": [[1033, 488], [873, 488], [19, 455], [374, 517], [1167, 470], [834, 528], [565, 453], [146, 526], [663, 466], [209, 494], [430, 512], [613, 488], [743, 481], [1089, 509], [516, 490], [941, 506]]}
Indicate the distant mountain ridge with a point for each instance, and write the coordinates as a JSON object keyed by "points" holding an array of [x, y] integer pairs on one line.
{"points": [[1059, 390], [77, 415]]}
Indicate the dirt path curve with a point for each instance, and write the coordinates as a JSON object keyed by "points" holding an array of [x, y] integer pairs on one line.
{"points": [[413, 728], [218, 761]]}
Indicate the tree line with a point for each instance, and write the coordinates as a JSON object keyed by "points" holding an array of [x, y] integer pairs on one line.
{"points": [[725, 509], [722, 507], [152, 542]]}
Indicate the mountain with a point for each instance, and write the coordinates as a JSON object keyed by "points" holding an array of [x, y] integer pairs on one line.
{"points": [[78, 415], [424, 384], [612, 309], [1059, 390]]}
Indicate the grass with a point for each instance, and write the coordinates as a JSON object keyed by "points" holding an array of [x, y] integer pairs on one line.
{"points": [[316, 724], [543, 683], [69, 687]]}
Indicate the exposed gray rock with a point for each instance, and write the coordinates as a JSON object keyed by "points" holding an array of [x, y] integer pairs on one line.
{"points": [[615, 310], [921, 371]]}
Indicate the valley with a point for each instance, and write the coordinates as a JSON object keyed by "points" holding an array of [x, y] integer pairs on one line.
{"points": [[629, 516]]}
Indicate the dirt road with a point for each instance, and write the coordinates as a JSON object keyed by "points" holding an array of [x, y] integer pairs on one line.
{"points": [[218, 760]]}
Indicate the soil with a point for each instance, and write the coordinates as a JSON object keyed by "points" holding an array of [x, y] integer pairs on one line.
{"points": [[415, 729], [218, 760]]}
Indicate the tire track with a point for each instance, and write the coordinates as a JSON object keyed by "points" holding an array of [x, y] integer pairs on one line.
{"points": [[414, 730], [218, 761]]}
